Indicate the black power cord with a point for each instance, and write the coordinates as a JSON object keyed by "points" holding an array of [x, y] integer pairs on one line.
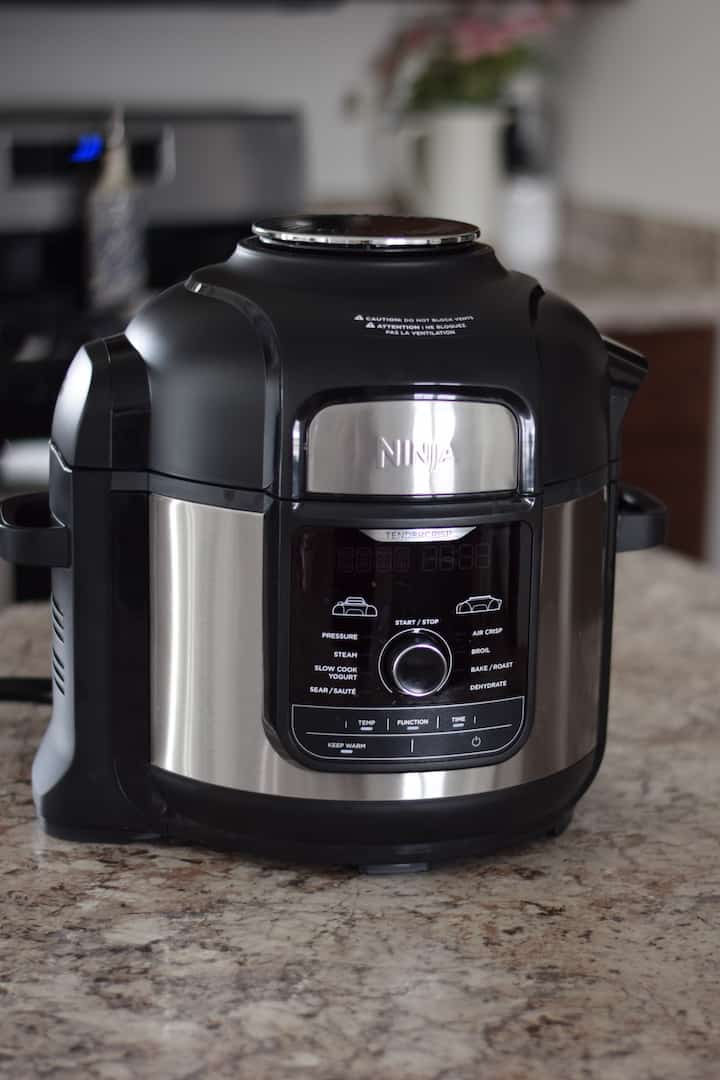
{"points": [[34, 691]]}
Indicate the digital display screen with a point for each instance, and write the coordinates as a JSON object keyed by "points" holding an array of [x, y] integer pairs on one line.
{"points": [[412, 558], [352, 593]]}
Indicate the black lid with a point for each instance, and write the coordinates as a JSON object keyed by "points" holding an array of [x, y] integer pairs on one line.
{"points": [[230, 367]]}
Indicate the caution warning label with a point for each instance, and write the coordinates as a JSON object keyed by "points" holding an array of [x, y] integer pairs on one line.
{"points": [[416, 326]]}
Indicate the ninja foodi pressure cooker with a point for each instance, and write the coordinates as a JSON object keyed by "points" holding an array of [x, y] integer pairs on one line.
{"points": [[333, 528]]}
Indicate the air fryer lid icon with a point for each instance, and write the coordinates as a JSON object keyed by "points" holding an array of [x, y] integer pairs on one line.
{"points": [[474, 605], [355, 605]]}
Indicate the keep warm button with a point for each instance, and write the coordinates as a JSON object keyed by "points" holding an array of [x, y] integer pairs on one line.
{"points": [[372, 748]]}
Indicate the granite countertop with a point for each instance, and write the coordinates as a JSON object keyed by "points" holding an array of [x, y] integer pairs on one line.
{"points": [[591, 956]]}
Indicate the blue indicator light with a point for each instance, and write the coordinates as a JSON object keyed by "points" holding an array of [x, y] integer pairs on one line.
{"points": [[89, 148]]}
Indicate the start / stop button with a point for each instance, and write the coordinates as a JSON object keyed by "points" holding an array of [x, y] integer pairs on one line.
{"points": [[416, 663]]}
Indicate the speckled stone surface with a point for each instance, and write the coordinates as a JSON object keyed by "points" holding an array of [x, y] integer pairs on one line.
{"points": [[594, 955]]}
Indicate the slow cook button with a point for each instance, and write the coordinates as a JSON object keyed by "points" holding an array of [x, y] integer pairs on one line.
{"points": [[345, 748]]}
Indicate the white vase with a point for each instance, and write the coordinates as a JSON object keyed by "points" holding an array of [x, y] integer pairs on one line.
{"points": [[450, 164]]}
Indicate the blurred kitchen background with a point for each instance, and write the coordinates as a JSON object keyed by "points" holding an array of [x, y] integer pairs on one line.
{"points": [[138, 141]]}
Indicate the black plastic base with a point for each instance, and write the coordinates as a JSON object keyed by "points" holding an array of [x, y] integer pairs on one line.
{"points": [[557, 828], [372, 835], [388, 865], [80, 835]]}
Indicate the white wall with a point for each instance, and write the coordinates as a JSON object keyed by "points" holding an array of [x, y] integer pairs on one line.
{"points": [[640, 101], [209, 54], [641, 105]]}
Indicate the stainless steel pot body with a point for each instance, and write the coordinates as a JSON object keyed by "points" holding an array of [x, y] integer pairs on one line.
{"points": [[209, 715]]}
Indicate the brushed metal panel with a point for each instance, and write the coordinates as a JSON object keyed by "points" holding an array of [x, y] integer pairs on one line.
{"points": [[206, 648], [206, 623], [428, 447], [572, 614]]}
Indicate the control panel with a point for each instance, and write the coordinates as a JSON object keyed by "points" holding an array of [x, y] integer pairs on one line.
{"points": [[409, 647]]}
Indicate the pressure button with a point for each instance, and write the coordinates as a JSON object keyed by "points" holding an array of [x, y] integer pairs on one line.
{"points": [[415, 663]]}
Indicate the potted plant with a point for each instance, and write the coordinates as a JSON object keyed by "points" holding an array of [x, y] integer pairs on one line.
{"points": [[444, 79]]}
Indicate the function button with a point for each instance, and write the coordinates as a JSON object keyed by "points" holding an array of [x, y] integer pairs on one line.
{"points": [[413, 722]]}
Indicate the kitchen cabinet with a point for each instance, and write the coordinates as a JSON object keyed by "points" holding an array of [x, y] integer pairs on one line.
{"points": [[666, 436]]}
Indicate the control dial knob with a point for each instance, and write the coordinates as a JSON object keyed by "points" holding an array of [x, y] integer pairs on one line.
{"points": [[415, 662]]}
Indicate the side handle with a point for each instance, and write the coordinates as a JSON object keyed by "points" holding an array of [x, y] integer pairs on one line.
{"points": [[626, 370], [641, 520], [30, 535]]}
